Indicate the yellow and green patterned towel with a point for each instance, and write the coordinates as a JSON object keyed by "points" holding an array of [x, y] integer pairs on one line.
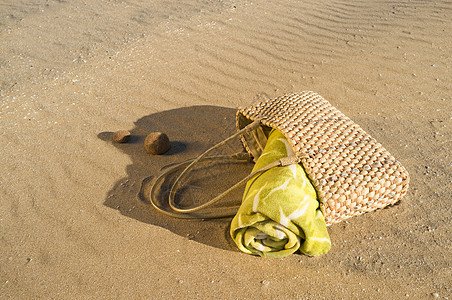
{"points": [[280, 212]]}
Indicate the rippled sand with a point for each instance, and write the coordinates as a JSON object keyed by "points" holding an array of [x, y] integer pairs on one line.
{"points": [[73, 71]]}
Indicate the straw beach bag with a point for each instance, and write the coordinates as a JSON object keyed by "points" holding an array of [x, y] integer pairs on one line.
{"points": [[351, 172]]}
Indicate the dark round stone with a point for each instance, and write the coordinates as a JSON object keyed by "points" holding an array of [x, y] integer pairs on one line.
{"points": [[157, 143]]}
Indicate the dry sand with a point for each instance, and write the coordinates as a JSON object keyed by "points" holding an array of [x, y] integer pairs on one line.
{"points": [[73, 71]]}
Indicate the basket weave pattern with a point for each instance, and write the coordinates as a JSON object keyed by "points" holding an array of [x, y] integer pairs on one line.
{"points": [[350, 170]]}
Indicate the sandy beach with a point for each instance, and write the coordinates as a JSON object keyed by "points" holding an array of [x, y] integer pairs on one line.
{"points": [[74, 71]]}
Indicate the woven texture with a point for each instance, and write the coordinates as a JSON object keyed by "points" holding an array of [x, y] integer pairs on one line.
{"points": [[350, 170]]}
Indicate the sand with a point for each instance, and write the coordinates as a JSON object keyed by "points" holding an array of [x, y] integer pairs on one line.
{"points": [[74, 71]]}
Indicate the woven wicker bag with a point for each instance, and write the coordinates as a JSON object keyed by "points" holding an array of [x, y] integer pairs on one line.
{"points": [[351, 172]]}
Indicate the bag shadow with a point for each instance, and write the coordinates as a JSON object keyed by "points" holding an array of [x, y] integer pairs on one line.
{"points": [[191, 130]]}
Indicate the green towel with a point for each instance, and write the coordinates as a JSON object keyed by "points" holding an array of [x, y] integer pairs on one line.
{"points": [[280, 212]]}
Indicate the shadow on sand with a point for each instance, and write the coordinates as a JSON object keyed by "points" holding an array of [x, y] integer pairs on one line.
{"points": [[191, 130]]}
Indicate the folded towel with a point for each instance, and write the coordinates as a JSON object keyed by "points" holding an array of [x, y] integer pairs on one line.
{"points": [[279, 213]]}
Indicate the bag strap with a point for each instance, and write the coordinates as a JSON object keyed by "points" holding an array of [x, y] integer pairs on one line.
{"points": [[186, 213]]}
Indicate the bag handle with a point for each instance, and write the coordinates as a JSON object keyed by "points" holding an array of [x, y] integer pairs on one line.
{"points": [[185, 213]]}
